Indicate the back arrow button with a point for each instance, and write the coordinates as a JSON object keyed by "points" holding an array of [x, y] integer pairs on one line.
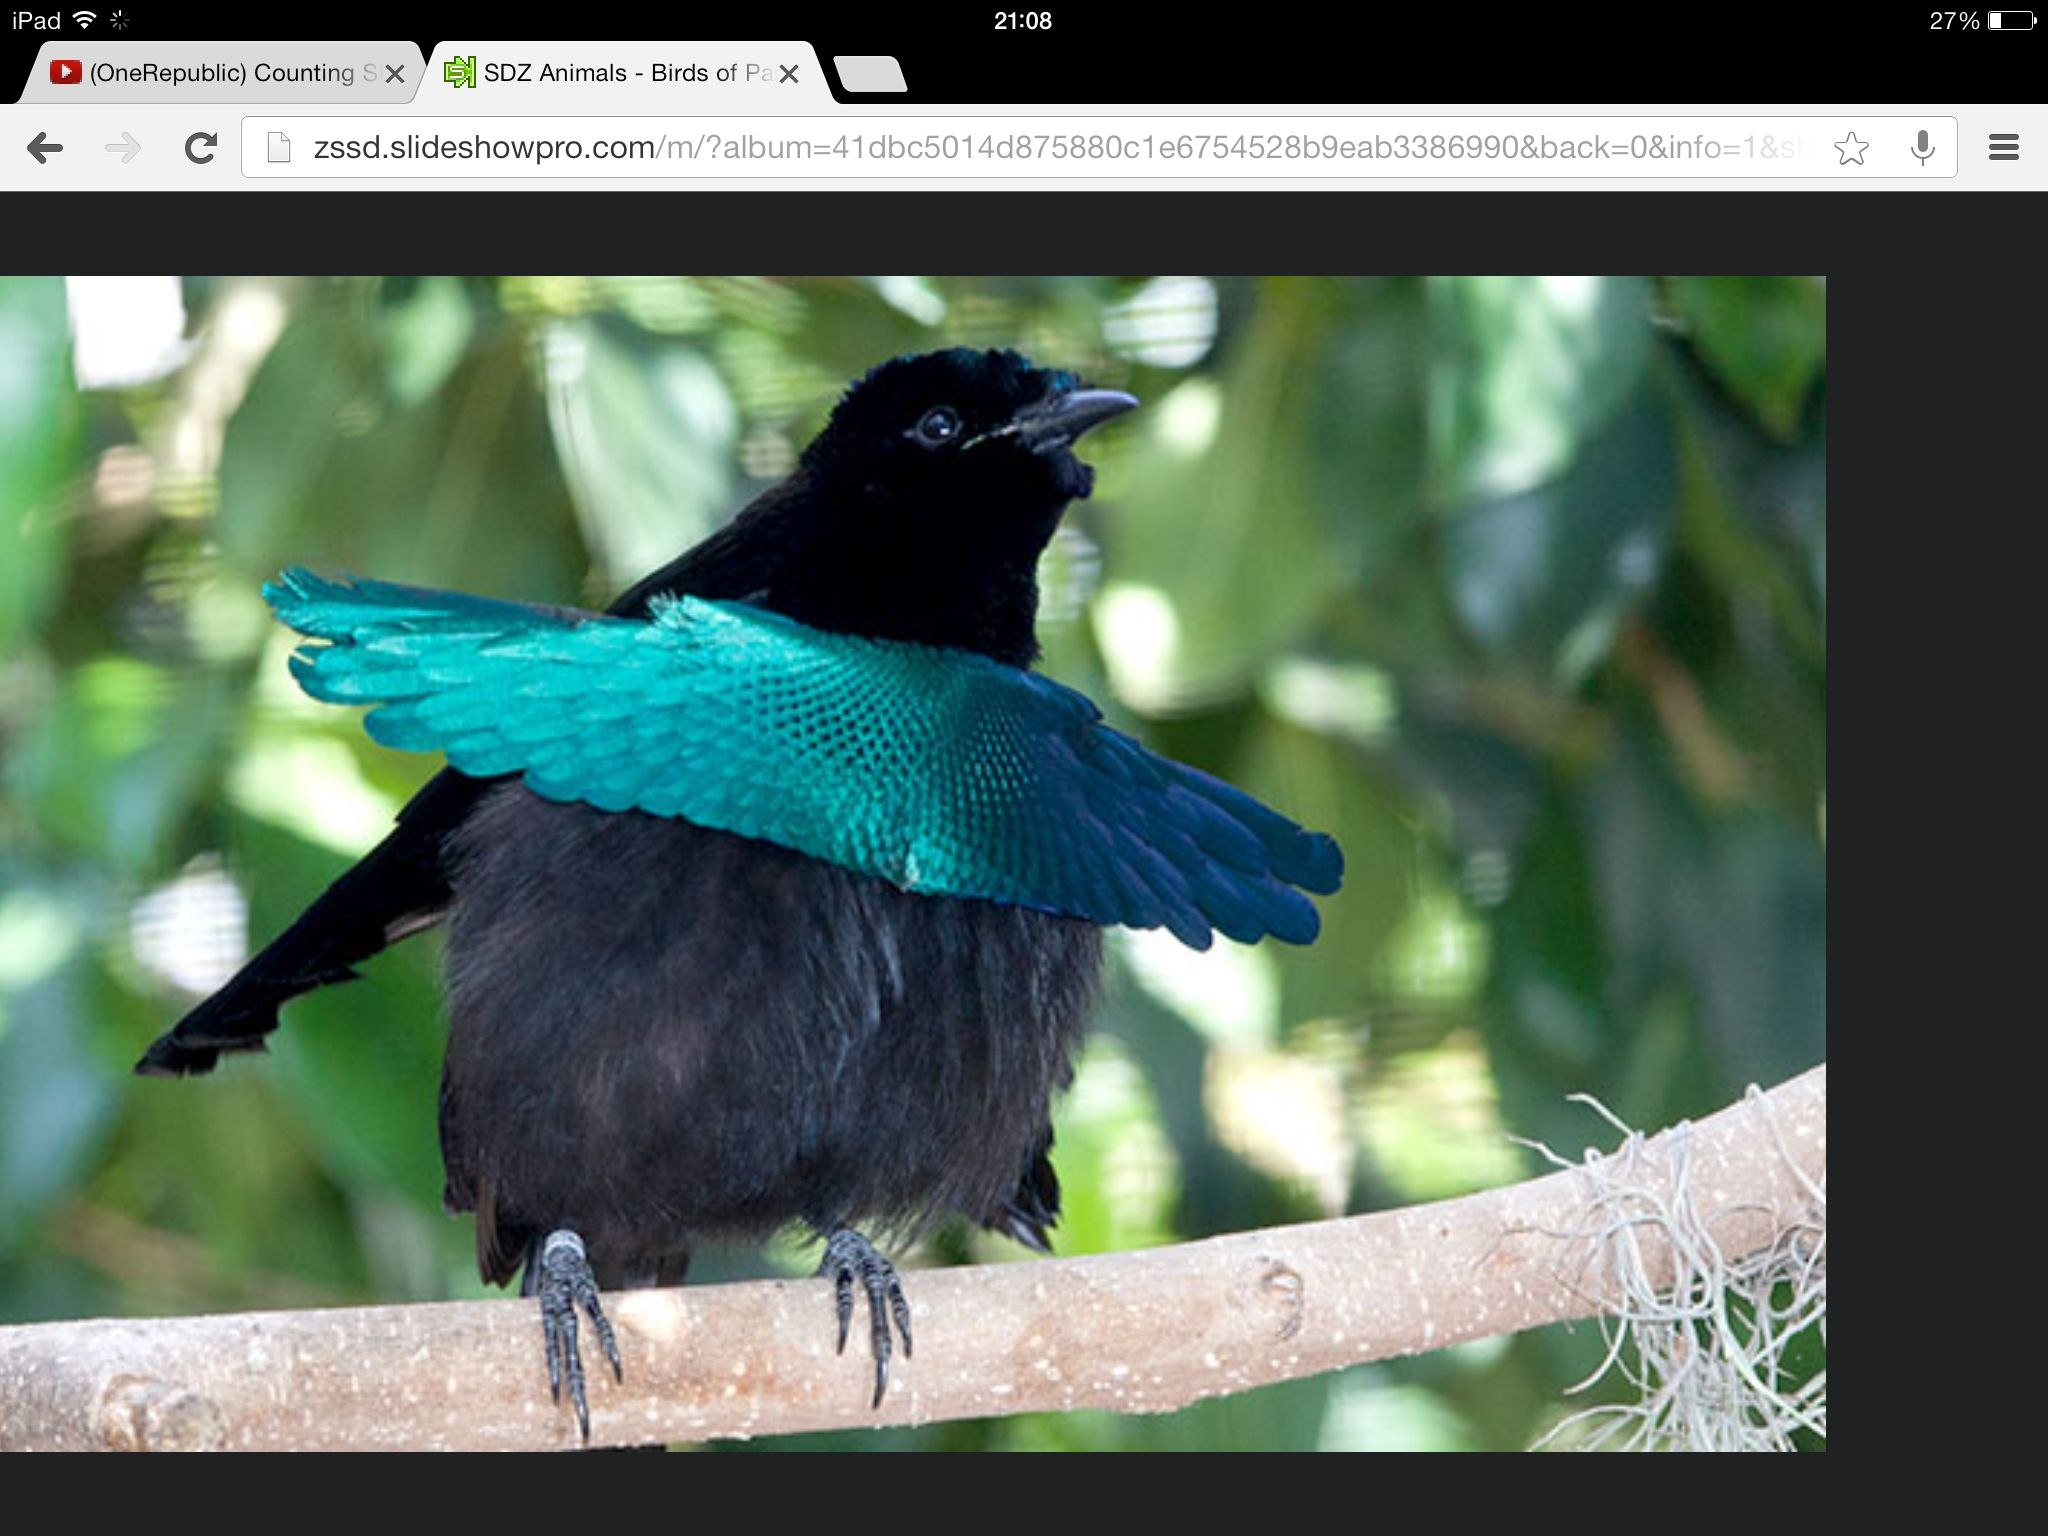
{"points": [[41, 147], [127, 149]]}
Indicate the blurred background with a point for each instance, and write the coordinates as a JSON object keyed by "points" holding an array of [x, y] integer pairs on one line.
{"points": [[1516, 585]]}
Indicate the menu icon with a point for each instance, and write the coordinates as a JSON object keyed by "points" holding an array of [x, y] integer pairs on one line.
{"points": [[2005, 146]]}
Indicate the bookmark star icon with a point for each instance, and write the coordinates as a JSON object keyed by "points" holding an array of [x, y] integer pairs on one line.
{"points": [[1852, 148]]}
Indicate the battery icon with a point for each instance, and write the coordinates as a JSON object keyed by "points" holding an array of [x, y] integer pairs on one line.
{"points": [[2011, 21]]}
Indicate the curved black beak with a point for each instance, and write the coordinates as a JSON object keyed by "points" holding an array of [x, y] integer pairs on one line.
{"points": [[1055, 423]]}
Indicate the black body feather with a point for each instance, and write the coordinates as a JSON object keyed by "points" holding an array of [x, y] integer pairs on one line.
{"points": [[660, 1033]]}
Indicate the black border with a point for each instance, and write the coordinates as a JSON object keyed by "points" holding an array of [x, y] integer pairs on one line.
{"points": [[856, 229]]}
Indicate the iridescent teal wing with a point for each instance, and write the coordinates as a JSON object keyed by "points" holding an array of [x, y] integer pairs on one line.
{"points": [[940, 771]]}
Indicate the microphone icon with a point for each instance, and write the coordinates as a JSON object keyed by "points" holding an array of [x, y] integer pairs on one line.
{"points": [[1922, 150]]}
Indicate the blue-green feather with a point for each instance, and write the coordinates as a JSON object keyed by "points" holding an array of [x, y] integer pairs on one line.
{"points": [[940, 771]]}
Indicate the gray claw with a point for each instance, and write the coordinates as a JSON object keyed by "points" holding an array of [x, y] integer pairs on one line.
{"points": [[566, 1283], [849, 1257]]}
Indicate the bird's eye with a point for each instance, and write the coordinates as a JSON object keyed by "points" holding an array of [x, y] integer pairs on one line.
{"points": [[938, 426]]}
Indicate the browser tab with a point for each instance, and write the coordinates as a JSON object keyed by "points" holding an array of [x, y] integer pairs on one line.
{"points": [[629, 77], [133, 70]]}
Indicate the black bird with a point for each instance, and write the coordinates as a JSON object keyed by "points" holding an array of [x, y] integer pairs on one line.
{"points": [[711, 969]]}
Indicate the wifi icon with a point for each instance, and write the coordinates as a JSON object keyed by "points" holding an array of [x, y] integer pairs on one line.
{"points": [[85, 19]]}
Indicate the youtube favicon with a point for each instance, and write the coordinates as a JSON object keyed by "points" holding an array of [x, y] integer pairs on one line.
{"points": [[67, 72]]}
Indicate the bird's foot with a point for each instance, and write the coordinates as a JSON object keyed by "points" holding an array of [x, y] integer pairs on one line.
{"points": [[566, 1283], [850, 1259]]}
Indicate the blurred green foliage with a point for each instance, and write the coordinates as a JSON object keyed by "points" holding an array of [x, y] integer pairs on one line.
{"points": [[1517, 585]]}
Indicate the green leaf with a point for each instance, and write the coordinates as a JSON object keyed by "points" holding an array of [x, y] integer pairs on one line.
{"points": [[323, 464], [428, 323], [1755, 510], [1748, 928], [1657, 954], [39, 443], [1765, 338], [1523, 369], [55, 1095], [647, 435], [1543, 577], [100, 770], [1243, 506], [1324, 783]]}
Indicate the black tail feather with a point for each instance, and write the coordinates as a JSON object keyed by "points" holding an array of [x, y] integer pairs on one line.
{"points": [[1034, 1210], [396, 890], [236, 1018]]}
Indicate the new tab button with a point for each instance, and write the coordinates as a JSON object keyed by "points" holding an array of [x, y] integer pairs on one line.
{"points": [[869, 72]]}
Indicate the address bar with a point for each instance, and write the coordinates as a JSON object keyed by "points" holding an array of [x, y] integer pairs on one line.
{"points": [[916, 147]]}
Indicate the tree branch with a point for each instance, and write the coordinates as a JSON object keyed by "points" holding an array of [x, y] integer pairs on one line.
{"points": [[1131, 1332]]}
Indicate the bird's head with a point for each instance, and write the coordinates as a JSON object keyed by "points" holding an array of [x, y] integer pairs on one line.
{"points": [[970, 437], [936, 484]]}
